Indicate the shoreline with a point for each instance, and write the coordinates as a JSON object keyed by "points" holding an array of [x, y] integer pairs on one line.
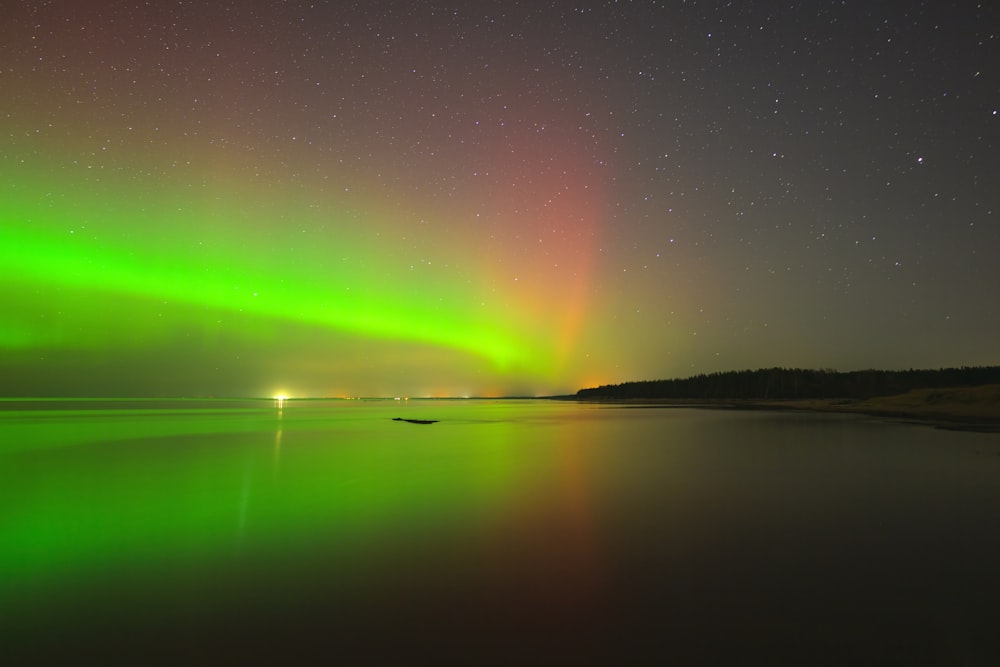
{"points": [[960, 409], [952, 418]]}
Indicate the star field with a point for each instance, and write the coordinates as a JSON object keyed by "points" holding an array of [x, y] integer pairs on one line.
{"points": [[486, 198]]}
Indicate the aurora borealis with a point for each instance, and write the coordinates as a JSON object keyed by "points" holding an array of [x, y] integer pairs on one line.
{"points": [[490, 198]]}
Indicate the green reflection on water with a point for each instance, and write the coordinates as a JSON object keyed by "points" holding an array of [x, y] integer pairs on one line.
{"points": [[103, 489]]}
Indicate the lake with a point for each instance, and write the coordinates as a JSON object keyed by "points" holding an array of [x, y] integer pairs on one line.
{"points": [[208, 531]]}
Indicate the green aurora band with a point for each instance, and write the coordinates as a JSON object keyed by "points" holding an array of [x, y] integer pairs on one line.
{"points": [[163, 247]]}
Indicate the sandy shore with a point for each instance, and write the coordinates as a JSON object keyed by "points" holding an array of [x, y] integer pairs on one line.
{"points": [[963, 408]]}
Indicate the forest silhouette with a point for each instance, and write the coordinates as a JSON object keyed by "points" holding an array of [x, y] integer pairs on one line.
{"points": [[797, 383]]}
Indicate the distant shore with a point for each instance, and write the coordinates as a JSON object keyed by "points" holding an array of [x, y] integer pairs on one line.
{"points": [[958, 408]]}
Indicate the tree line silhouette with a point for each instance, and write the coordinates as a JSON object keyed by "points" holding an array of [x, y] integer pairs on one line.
{"points": [[785, 383]]}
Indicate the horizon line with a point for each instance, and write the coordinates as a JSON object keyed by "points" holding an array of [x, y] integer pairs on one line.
{"points": [[275, 398]]}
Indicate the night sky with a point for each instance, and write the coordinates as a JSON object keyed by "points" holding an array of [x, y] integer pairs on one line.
{"points": [[491, 198]]}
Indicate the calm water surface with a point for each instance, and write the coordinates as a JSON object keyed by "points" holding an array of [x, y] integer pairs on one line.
{"points": [[215, 531]]}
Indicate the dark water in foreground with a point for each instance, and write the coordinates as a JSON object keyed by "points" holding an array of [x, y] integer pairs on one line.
{"points": [[549, 532]]}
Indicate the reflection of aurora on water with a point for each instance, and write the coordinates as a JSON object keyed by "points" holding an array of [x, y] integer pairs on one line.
{"points": [[527, 528], [244, 474]]}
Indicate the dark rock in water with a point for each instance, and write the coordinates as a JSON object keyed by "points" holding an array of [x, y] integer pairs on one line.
{"points": [[415, 421]]}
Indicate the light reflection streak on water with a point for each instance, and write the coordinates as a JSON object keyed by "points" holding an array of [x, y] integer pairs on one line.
{"points": [[277, 442]]}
